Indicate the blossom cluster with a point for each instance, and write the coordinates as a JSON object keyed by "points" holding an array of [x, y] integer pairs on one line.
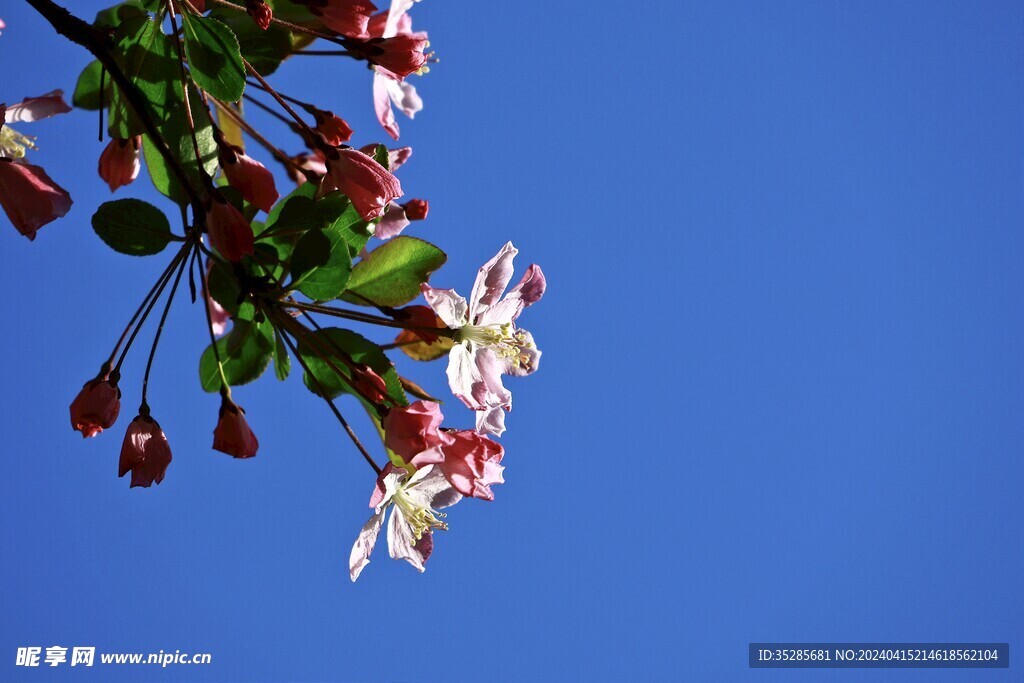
{"points": [[270, 268]]}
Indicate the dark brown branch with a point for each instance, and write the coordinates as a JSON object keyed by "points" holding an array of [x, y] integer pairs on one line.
{"points": [[94, 40]]}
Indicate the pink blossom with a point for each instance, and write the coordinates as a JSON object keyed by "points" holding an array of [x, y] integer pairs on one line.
{"points": [[96, 407], [313, 162], [488, 344], [249, 177], [398, 217], [470, 461], [230, 233], [347, 17], [145, 452], [233, 434], [119, 163], [387, 92], [37, 108], [400, 55], [29, 197], [414, 502], [333, 128], [369, 185]]}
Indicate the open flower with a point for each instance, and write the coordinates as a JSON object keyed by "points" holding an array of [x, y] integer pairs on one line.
{"points": [[488, 343], [414, 502], [387, 89], [145, 452], [96, 407], [369, 185], [119, 163], [29, 197], [469, 461]]}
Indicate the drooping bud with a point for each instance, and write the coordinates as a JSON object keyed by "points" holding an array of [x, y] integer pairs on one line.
{"points": [[145, 452], [260, 12], [347, 17], [230, 233], [29, 197], [368, 383], [416, 209], [249, 177], [369, 185], [400, 55], [96, 406], [119, 163], [334, 128], [233, 434]]}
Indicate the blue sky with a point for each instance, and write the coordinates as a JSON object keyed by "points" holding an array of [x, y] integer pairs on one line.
{"points": [[780, 398]]}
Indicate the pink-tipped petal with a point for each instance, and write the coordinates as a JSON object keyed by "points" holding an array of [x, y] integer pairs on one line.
{"points": [[382, 104], [363, 547], [491, 281], [37, 108]]}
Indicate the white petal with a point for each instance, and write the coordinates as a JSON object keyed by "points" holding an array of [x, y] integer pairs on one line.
{"points": [[433, 490], [404, 96], [449, 305], [491, 421], [463, 377], [491, 281], [367, 539], [401, 542]]}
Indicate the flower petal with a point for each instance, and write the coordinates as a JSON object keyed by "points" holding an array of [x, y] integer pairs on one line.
{"points": [[37, 108], [403, 545], [365, 542], [30, 198], [531, 287], [463, 377], [404, 96], [382, 104], [491, 420], [529, 358], [448, 304], [491, 281]]}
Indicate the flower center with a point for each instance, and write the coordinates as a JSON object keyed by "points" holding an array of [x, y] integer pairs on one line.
{"points": [[421, 519], [505, 340], [13, 144]]}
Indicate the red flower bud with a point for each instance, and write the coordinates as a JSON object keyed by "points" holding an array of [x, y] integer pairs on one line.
{"points": [[347, 17], [249, 177], [401, 54], [119, 162], [369, 185], [334, 128], [368, 384], [230, 233], [260, 13], [29, 197], [96, 407], [145, 452], [233, 434], [416, 209]]}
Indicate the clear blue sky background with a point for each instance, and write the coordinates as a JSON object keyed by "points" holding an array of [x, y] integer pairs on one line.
{"points": [[781, 396]]}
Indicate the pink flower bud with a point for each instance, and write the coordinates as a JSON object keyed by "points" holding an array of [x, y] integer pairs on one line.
{"points": [[249, 177], [233, 434], [29, 197], [472, 464], [96, 407], [369, 185], [401, 55], [416, 209], [347, 17], [411, 430], [119, 162], [334, 128], [368, 383], [230, 233], [145, 452], [260, 13]]}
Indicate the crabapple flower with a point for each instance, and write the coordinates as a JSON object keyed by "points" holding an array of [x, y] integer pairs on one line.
{"points": [[369, 185], [96, 407], [249, 177], [29, 197], [119, 163], [145, 452], [487, 342], [414, 502], [398, 217], [347, 17], [400, 55], [260, 13], [233, 434], [230, 233], [334, 128], [469, 461], [387, 89]]}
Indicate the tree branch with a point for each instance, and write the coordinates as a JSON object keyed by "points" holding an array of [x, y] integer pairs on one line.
{"points": [[93, 40]]}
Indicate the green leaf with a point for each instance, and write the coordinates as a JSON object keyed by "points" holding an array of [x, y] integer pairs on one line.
{"points": [[175, 132], [392, 273], [282, 363], [146, 56], [225, 290], [214, 58], [114, 16], [132, 226], [245, 352], [337, 345], [87, 90], [265, 50]]}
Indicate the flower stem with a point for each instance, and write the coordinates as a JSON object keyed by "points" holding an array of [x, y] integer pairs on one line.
{"points": [[160, 328]]}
